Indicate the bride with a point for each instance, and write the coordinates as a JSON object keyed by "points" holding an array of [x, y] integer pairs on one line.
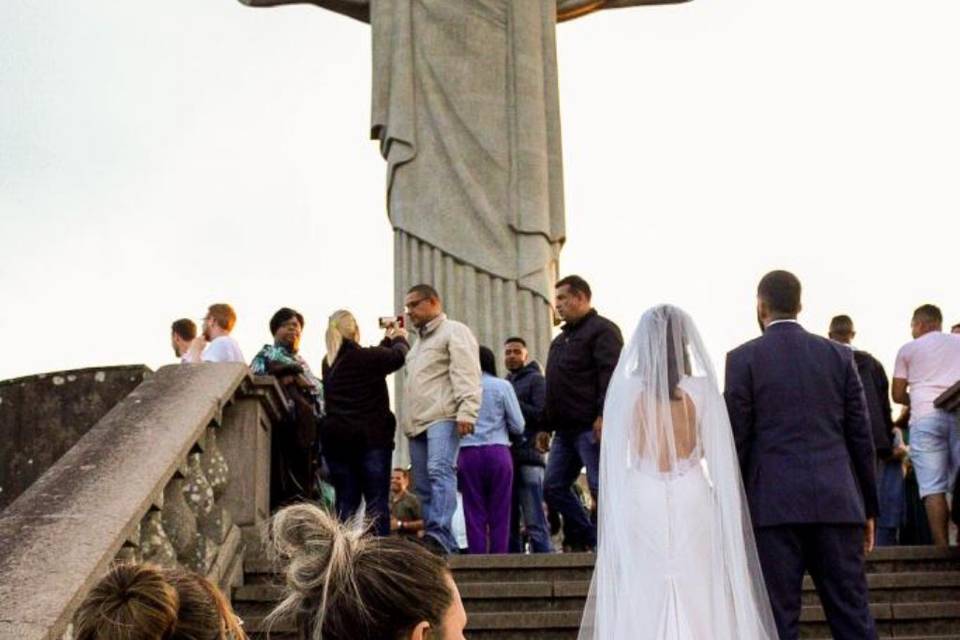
{"points": [[676, 558]]}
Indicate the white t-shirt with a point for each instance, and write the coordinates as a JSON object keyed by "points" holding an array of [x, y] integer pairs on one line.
{"points": [[223, 349], [930, 365]]}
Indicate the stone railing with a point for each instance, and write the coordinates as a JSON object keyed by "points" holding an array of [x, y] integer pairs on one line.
{"points": [[175, 474]]}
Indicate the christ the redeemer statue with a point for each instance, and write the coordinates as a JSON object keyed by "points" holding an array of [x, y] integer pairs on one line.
{"points": [[466, 110]]}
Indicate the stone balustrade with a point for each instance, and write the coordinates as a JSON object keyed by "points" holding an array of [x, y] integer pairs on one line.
{"points": [[176, 474]]}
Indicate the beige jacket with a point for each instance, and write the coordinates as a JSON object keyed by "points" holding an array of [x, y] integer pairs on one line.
{"points": [[442, 376]]}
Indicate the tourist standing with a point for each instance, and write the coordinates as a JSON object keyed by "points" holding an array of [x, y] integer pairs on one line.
{"points": [[581, 361], [924, 369], [442, 399], [358, 430], [528, 451], [294, 453], [182, 334], [216, 344], [485, 470], [890, 450]]}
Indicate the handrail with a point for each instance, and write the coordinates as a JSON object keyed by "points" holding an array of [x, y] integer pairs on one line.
{"points": [[147, 482]]}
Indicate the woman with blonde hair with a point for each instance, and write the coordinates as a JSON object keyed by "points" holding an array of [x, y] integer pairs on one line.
{"points": [[147, 602], [358, 430], [342, 584]]}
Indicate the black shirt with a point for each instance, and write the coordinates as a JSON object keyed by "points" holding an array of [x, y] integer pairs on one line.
{"points": [[356, 398], [581, 363]]}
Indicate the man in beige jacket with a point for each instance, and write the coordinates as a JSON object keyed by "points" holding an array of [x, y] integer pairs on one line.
{"points": [[442, 400]]}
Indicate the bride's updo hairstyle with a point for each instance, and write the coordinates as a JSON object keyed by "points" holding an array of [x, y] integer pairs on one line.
{"points": [[345, 585], [147, 602]]}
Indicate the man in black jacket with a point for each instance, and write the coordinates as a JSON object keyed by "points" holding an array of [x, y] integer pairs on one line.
{"points": [[876, 386], [528, 459], [581, 361]]}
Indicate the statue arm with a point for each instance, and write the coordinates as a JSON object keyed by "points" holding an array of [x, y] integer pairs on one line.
{"points": [[358, 9], [570, 9]]}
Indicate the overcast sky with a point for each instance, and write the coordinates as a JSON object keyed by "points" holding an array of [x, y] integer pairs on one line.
{"points": [[156, 157]]}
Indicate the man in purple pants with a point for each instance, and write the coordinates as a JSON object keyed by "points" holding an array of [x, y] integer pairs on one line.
{"points": [[485, 469]]}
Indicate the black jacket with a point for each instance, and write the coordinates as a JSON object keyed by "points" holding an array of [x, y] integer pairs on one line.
{"points": [[581, 363], [876, 388], [529, 385], [357, 402]]}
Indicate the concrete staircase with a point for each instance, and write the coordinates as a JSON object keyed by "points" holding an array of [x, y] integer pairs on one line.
{"points": [[915, 593]]}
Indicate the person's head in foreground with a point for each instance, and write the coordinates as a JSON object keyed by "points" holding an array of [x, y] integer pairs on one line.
{"points": [[342, 584], [147, 602]]}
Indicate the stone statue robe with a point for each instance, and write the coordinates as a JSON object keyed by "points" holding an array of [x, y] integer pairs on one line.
{"points": [[466, 110]]}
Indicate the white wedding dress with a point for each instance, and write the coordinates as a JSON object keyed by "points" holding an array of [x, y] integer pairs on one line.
{"points": [[676, 558]]}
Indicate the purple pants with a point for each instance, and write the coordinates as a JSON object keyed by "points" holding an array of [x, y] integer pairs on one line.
{"points": [[485, 474]]}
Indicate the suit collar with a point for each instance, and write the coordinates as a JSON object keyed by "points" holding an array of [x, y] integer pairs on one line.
{"points": [[784, 325]]}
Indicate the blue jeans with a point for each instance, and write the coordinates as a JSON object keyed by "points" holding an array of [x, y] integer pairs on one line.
{"points": [[433, 460], [363, 475], [570, 452], [528, 502]]}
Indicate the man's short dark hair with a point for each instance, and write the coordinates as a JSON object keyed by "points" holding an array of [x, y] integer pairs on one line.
{"points": [[955, 327], [424, 290], [841, 325], [577, 285], [488, 361], [780, 290], [282, 315], [928, 313], [185, 328], [516, 339]]}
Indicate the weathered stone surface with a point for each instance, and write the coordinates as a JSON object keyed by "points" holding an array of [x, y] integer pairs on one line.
{"points": [[155, 545], [42, 416], [62, 533], [179, 520], [215, 466]]}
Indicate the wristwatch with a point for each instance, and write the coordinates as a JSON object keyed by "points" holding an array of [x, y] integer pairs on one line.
{"points": [[399, 525]]}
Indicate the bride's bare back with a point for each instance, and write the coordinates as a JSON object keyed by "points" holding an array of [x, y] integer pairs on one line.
{"points": [[674, 437]]}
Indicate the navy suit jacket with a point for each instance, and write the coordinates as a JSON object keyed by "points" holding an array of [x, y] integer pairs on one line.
{"points": [[802, 430]]}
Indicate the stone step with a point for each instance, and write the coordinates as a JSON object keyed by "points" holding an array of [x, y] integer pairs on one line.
{"points": [[882, 560], [566, 595], [921, 620], [915, 592]]}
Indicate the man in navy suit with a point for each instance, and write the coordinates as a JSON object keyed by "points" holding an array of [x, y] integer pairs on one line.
{"points": [[806, 452]]}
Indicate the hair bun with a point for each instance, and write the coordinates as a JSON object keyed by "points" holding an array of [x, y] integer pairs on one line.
{"points": [[130, 596], [317, 547]]}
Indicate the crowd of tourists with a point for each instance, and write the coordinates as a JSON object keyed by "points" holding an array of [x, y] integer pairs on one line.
{"points": [[514, 449], [513, 460]]}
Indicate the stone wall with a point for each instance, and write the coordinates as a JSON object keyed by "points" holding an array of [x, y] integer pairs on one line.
{"points": [[177, 474], [42, 416]]}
